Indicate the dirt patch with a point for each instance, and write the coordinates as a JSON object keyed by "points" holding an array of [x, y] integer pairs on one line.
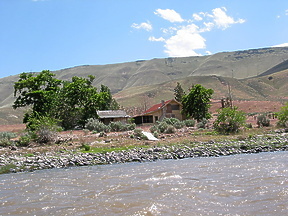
{"points": [[15, 128]]}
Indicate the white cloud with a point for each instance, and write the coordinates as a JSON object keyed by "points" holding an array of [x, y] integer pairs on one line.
{"points": [[281, 45], [169, 30], [208, 27], [222, 20], [186, 39], [146, 26], [170, 15], [286, 12], [197, 17], [185, 42], [152, 38]]}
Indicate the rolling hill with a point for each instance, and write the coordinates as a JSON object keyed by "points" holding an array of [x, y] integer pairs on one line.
{"points": [[257, 74]]}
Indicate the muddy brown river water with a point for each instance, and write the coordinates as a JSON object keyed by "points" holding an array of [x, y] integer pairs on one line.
{"points": [[247, 184]]}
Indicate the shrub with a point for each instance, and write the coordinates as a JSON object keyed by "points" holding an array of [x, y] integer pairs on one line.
{"points": [[202, 124], [154, 129], [25, 140], [86, 147], [138, 134], [171, 121], [249, 125], [170, 129], [7, 135], [229, 120], [120, 126], [162, 126], [189, 123], [43, 129], [96, 125], [5, 138], [155, 134], [116, 126], [131, 126], [283, 116], [263, 121], [179, 125]]}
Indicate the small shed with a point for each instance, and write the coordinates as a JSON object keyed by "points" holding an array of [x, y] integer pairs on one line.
{"points": [[107, 116]]}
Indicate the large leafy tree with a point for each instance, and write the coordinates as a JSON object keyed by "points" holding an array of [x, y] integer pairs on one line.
{"points": [[38, 92], [77, 101], [70, 102], [197, 102]]}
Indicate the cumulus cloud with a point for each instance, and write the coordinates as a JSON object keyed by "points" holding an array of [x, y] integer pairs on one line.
{"points": [[281, 45], [170, 15], [145, 25], [197, 17], [184, 37], [185, 42], [152, 38], [222, 20]]}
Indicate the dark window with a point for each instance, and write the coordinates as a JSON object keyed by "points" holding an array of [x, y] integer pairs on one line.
{"points": [[147, 119], [156, 118], [175, 107]]}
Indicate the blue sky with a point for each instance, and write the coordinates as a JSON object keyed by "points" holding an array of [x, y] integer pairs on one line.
{"points": [[56, 34]]}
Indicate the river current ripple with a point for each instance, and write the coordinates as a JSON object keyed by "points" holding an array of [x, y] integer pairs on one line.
{"points": [[247, 184]]}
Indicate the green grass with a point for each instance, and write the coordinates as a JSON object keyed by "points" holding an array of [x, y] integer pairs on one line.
{"points": [[6, 168], [104, 150]]}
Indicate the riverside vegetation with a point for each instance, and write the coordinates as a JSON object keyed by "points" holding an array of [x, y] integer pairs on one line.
{"points": [[95, 148], [43, 145]]}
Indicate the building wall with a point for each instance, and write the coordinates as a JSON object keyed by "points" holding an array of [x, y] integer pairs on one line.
{"points": [[168, 112]]}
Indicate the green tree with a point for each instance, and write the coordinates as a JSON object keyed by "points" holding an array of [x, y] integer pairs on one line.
{"points": [[38, 92], [77, 101], [229, 119], [283, 116], [107, 101], [178, 92], [197, 102], [70, 102]]}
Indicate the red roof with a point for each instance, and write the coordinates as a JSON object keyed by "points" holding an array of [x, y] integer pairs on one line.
{"points": [[157, 107]]}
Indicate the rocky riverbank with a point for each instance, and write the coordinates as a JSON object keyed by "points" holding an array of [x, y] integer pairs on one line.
{"points": [[62, 159]]}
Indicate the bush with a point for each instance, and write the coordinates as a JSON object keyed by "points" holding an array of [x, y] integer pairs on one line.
{"points": [[202, 124], [189, 123], [179, 125], [5, 142], [162, 126], [156, 134], [96, 125], [249, 125], [120, 126], [25, 140], [154, 129], [171, 121], [283, 116], [138, 134], [229, 120], [116, 126], [170, 129], [44, 129], [7, 135], [263, 121]]}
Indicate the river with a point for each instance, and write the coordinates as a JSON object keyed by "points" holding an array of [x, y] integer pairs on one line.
{"points": [[246, 184]]}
